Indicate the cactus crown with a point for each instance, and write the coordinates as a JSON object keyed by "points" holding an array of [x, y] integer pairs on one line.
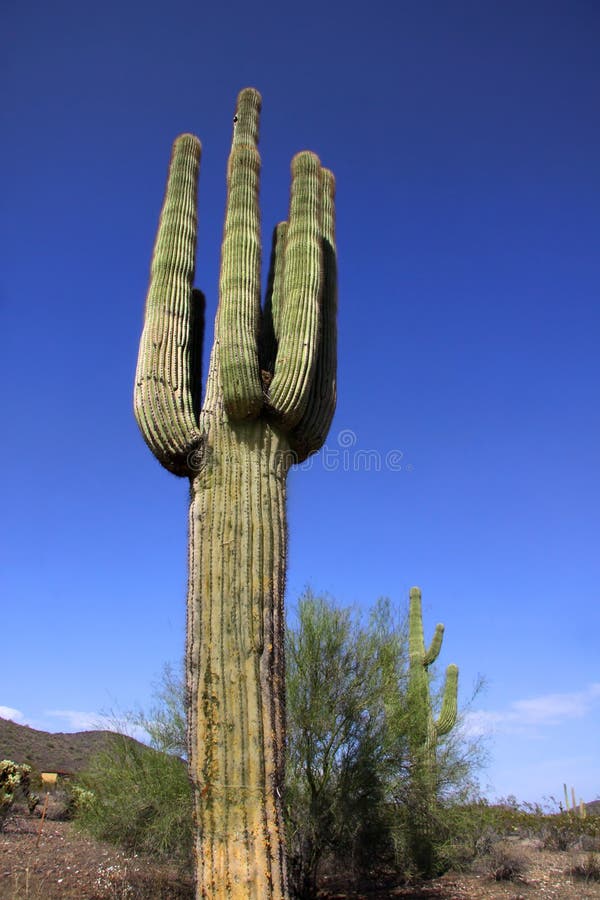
{"points": [[278, 361]]}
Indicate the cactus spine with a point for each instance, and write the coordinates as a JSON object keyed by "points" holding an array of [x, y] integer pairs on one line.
{"points": [[269, 401], [424, 731]]}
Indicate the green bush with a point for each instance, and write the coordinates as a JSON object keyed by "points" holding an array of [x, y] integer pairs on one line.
{"points": [[138, 798]]}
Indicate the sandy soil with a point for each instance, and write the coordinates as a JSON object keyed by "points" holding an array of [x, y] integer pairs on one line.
{"points": [[57, 863]]}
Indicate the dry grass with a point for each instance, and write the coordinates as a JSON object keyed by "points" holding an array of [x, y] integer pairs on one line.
{"points": [[587, 869], [507, 862]]}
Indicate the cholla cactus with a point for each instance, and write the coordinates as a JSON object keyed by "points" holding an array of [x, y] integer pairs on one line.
{"points": [[269, 402], [12, 777]]}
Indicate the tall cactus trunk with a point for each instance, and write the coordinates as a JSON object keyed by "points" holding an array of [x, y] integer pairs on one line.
{"points": [[235, 667]]}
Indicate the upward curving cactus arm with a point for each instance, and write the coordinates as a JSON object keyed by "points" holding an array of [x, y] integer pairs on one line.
{"points": [[167, 391], [239, 288], [435, 646], [309, 434], [449, 711], [302, 285]]}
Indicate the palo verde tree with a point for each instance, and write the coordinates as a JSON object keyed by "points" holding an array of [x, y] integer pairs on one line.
{"points": [[340, 674], [269, 402]]}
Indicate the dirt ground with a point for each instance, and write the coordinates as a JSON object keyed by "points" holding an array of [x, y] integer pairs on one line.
{"points": [[57, 863]]}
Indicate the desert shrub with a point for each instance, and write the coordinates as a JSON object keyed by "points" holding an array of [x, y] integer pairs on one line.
{"points": [[557, 836], [590, 843], [505, 863], [466, 831], [587, 869], [138, 798], [564, 832]]}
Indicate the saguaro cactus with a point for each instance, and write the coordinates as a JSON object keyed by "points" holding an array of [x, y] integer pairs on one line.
{"points": [[269, 402], [424, 731], [575, 808]]}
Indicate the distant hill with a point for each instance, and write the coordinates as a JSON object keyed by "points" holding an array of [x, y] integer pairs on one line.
{"points": [[48, 752]]}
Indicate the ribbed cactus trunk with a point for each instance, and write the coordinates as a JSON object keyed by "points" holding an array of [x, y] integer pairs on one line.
{"points": [[424, 732], [269, 402], [235, 661]]}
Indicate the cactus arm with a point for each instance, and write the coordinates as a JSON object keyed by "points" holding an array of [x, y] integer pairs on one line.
{"points": [[166, 396], [239, 287], [302, 285], [435, 646], [447, 717], [416, 639], [310, 433]]}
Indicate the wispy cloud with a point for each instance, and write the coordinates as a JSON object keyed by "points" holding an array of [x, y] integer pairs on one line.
{"points": [[77, 720], [530, 714], [15, 715]]}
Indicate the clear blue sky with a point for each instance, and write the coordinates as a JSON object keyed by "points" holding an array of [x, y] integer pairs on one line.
{"points": [[465, 138]]}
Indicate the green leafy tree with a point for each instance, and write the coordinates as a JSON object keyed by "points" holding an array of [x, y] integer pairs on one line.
{"points": [[336, 712]]}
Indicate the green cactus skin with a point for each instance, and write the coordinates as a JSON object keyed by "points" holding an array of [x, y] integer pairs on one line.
{"points": [[269, 401], [424, 730]]}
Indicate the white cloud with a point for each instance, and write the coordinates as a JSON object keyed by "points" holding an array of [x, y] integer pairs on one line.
{"points": [[77, 720], [527, 715], [15, 715]]}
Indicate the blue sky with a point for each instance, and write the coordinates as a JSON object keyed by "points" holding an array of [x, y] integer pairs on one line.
{"points": [[465, 139]]}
